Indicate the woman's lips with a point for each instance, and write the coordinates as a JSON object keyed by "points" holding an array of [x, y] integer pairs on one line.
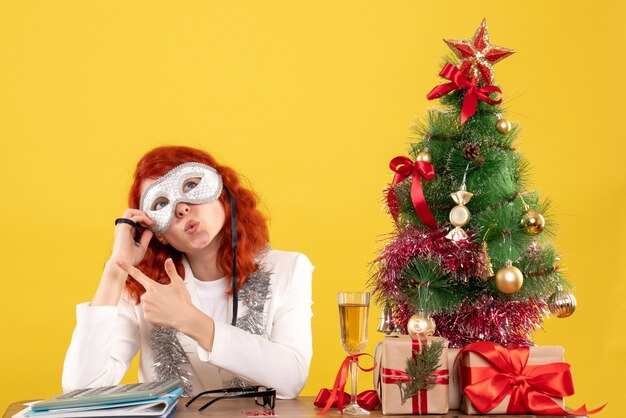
{"points": [[191, 226]]}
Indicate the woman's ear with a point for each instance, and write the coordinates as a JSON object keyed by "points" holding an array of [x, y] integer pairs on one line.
{"points": [[161, 239]]}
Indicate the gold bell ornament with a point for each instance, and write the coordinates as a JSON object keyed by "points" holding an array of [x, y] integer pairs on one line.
{"points": [[509, 279], [561, 303], [420, 323], [502, 125], [386, 322]]}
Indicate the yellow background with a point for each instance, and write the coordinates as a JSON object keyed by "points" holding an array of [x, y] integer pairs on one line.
{"points": [[310, 101]]}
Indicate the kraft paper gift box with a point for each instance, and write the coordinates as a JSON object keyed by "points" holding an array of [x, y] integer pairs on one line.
{"points": [[454, 387], [391, 361], [472, 365]]}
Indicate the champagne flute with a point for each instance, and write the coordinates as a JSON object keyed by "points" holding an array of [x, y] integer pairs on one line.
{"points": [[353, 310]]}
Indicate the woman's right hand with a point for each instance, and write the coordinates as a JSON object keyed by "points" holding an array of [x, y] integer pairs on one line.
{"points": [[124, 246]]}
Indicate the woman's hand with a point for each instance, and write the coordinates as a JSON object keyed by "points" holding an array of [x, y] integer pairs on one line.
{"points": [[125, 247], [167, 305], [170, 305]]}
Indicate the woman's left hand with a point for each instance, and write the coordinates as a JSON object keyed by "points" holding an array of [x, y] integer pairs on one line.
{"points": [[168, 305]]}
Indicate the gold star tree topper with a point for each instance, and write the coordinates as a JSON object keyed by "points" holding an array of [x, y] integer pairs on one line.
{"points": [[478, 55]]}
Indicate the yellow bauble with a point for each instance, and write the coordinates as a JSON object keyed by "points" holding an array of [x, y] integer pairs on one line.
{"points": [[562, 304], [424, 156], [503, 126], [420, 324], [509, 279], [533, 222]]}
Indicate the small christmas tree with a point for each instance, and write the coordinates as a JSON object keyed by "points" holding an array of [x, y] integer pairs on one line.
{"points": [[471, 248]]}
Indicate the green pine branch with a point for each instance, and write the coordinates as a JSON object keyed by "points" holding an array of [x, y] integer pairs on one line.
{"points": [[428, 288], [421, 370]]}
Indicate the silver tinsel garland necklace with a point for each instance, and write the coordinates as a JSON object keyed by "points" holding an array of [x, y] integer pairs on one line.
{"points": [[169, 357], [171, 361]]}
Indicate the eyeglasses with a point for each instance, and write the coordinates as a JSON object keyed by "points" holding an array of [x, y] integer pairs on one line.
{"points": [[262, 396]]}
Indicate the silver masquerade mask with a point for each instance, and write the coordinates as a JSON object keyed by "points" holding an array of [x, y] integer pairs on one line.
{"points": [[193, 183]]}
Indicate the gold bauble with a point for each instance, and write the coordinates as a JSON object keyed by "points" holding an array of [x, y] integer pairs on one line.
{"points": [[533, 222], [424, 156], [509, 279], [420, 323], [562, 303], [503, 126]]}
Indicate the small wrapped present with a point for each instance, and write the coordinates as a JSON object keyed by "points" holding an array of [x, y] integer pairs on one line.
{"points": [[412, 375], [499, 380], [454, 388]]}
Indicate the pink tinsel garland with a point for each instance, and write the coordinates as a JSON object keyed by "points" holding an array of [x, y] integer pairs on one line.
{"points": [[486, 318]]}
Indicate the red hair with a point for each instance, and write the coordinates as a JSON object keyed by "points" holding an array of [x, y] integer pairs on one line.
{"points": [[252, 231]]}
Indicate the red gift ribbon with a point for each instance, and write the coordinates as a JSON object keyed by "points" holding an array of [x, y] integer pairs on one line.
{"points": [[530, 386], [340, 384], [458, 81], [404, 167], [368, 399], [392, 376]]}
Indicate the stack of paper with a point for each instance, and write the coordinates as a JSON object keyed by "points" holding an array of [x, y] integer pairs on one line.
{"points": [[161, 407]]}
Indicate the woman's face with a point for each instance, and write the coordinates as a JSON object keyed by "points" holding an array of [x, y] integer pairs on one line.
{"points": [[194, 227]]}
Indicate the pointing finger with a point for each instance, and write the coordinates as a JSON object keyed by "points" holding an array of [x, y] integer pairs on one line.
{"points": [[136, 274]]}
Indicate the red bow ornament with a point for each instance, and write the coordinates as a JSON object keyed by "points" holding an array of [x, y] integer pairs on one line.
{"points": [[458, 81], [405, 167], [532, 388]]}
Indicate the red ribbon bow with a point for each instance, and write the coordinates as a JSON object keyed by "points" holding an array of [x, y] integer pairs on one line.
{"points": [[368, 399], [459, 81], [340, 384], [404, 167], [530, 386]]}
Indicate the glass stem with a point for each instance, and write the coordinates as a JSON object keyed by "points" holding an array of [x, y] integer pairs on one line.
{"points": [[354, 370]]}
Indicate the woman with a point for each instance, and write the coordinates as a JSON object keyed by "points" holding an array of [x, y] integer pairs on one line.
{"points": [[167, 288]]}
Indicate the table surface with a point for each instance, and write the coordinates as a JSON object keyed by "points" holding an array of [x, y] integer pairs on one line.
{"points": [[297, 408]]}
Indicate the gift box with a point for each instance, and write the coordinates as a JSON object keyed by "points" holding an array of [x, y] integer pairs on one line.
{"points": [[498, 380], [454, 387], [400, 388]]}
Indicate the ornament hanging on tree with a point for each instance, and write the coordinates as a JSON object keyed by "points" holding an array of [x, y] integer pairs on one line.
{"points": [[502, 125], [509, 279], [420, 323], [487, 271], [424, 156], [387, 324], [532, 221], [562, 303], [478, 55], [460, 215], [471, 152], [418, 170]]}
